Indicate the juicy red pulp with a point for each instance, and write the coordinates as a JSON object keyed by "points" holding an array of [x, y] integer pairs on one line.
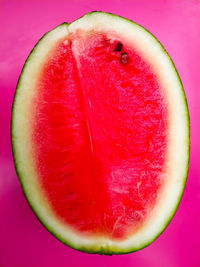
{"points": [[99, 135]]}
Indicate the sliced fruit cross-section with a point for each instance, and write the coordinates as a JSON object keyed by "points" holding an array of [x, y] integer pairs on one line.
{"points": [[100, 134]]}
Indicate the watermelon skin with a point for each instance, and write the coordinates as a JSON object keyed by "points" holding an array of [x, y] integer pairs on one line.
{"points": [[103, 249]]}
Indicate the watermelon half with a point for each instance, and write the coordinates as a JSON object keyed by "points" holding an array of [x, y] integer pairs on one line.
{"points": [[100, 134]]}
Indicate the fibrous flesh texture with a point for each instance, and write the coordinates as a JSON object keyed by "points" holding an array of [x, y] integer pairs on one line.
{"points": [[99, 132]]}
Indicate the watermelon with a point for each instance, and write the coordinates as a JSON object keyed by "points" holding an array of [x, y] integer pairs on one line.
{"points": [[100, 134]]}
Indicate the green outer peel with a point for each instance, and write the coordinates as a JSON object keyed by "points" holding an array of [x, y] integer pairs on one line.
{"points": [[108, 250]]}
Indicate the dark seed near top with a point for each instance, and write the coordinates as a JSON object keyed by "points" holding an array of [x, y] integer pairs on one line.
{"points": [[124, 58], [118, 47]]}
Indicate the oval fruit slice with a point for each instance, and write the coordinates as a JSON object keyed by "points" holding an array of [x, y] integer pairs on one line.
{"points": [[100, 134]]}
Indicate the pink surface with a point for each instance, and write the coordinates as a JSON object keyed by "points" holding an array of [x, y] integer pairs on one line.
{"points": [[23, 240]]}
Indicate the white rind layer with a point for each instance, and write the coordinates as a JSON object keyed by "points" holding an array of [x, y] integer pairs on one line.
{"points": [[178, 142]]}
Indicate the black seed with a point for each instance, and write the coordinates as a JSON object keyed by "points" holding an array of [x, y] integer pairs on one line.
{"points": [[124, 58], [118, 47]]}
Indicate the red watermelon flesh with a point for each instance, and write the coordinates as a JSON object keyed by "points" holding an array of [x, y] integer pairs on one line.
{"points": [[99, 128]]}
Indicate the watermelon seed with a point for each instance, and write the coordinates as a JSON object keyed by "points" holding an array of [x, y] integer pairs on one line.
{"points": [[124, 58], [118, 47]]}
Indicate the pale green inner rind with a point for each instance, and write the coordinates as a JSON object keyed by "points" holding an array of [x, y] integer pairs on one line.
{"points": [[179, 135]]}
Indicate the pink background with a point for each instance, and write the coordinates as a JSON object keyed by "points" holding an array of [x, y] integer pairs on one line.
{"points": [[24, 242]]}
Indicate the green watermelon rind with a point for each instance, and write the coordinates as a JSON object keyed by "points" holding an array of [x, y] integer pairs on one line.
{"points": [[93, 249]]}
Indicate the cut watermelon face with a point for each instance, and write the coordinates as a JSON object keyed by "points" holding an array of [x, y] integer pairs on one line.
{"points": [[100, 134]]}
